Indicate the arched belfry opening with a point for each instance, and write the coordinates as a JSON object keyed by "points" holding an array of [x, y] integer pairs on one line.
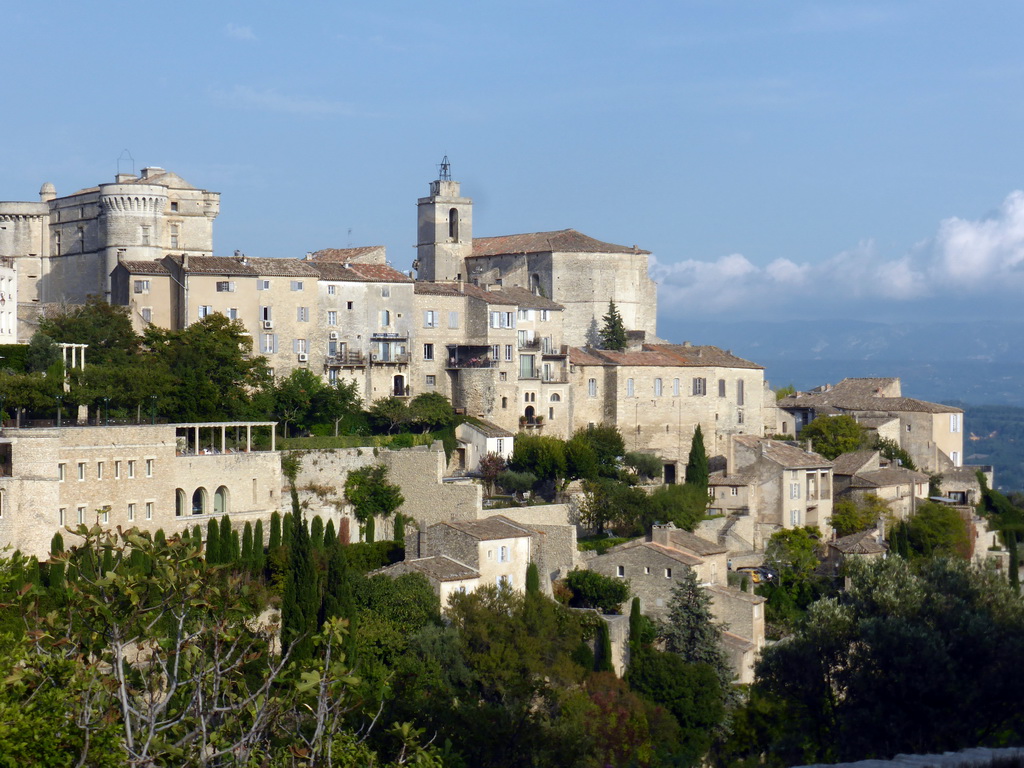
{"points": [[453, 224]]}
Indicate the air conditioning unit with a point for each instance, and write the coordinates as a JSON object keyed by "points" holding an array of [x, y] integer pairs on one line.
{"points": [[303, 357], [333, 335], [375, 357], [268, 324]]}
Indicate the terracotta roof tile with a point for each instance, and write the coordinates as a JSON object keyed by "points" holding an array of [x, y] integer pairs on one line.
{"points": [[436, 568], [527, 299], [215, 265], [887, 476], [732, 479], [488, 428], [864, 395], [562, 241], [854, 462], [283, 267], [358, 273], [691, 542], [462, 289], [494, 527], [863, 543], [703, 356], [145, 267], [346, 255]]}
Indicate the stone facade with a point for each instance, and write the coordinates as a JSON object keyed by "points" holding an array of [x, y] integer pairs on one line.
{"points": [[145, 476]]}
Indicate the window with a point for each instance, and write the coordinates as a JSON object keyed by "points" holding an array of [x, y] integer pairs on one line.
{"points": [[739, 392], [232, 313], [526, 367], [453, 224], [99, 470], [555, 397], [62, 515], [226, 286], [955, 457], [592, 387], [794, 490], [81, 515], [430, 319], [794, 517], [131, 512], [81, 470], [302, 314], [174, 206], [504, 580], [385, 292], [453, 319], [545, 315], [266, 314], [668, 573], [721, 387], [146, 235], [502, 376], [332, 317], [331, 290], [508, 319], [647, 570], [620, 571], [675, 387], [348, 305], [299, 346], [142, 286], [385, 318], [508, 353], [149, 510], [268, 343], [431, 380], [955, 422], [61, 471], [734, 491], [296, 285], [504, 402], [503, 556], [739, 416], [105, 515], [147, 314], [131, 468], [629, 388], [657, 387], [262, 285], [205, 310], [428, 351], [117, 470], [149, 467], [501, 445], [496, 352], [700, 386], [908, 427]]}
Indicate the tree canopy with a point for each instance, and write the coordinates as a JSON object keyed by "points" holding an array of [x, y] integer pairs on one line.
{"points": [[613, 332], [834, 435]]}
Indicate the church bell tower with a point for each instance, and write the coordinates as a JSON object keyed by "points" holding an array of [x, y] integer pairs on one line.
{"points": [[444, 230]]}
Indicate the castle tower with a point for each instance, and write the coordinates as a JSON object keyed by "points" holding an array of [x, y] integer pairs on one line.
{"points": [[444, 231]]}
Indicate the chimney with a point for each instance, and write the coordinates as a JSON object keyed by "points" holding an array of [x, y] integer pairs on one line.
{"points": [[184, 261], [660, 533]]}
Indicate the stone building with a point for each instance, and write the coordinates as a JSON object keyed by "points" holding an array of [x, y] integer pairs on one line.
{"points": [[657, 397], [163, 476], [8, 299], [931, 433], [864, 473], [779, 484], [574, 270], [66, 247]]}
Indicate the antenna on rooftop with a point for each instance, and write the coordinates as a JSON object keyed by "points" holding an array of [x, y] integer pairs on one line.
{"points": [[129, 158], [445, 170], [349, 238]]}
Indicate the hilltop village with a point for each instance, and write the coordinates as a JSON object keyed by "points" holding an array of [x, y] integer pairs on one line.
{"points": [[539, 343]]}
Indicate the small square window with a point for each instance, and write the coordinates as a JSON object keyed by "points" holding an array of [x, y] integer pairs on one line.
{"points": [[262, 285], [647, 570], [174, 205], [385, 292], [348, 305], [431, 380], [668, 573], [331, 290], [620, 571], [296, 285]]}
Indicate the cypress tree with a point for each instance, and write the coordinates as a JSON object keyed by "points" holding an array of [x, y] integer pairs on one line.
{"points": [[400, 529], [603, 662], [235, 557], [369, 530], [300, 605], [197, 536], [160, 539], [258, 559], [316, 532], [33, 576], [247, 557], [225, 540], [635, 620], [107, 564], [186, 537], [286, 531], [330, 536], [275, 531], [56, 572], [212, 542], [532, 579], [697, 464]]}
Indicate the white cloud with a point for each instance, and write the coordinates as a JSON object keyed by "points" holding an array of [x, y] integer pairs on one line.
{"points": [[270, 100], [240, 32], [965, 258]]}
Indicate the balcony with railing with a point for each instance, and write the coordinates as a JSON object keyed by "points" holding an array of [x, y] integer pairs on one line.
{"points": [[392, 359], [529, 344], [346, 360], [457, 362]]}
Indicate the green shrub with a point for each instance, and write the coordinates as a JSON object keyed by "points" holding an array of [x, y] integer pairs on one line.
{"points": [[591, 589]]}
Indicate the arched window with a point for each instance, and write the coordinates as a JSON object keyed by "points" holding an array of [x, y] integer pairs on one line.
{"points": [[555, 397], [179, 503], [399, 386], [535, 283], [220, 501], [504, 402], [453, 224], [199, 502], [529, 413]]}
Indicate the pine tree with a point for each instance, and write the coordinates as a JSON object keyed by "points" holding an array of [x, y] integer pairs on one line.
{"points": [[212, 542], [697, 464], [532, 579], [690, 631], [613, 333]]}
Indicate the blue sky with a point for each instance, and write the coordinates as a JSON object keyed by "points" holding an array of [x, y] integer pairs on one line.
{"points": [[781, 159]]}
